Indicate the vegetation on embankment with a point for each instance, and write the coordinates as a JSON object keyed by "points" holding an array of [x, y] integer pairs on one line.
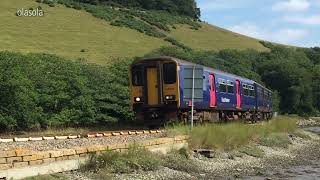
{"points": [[177, 7], [137, 159], [39, 91], [278, 143], [231, 136], [245, 145]]}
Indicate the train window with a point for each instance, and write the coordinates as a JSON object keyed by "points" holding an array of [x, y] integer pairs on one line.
{"points": [[169, 73], [252, 92], [245, 90], [137, 76], [230, 87], [223, 88], [222, 85]]}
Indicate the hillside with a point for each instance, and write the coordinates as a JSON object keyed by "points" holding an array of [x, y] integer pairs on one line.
{"points": [[78, 34], [40, 91]]}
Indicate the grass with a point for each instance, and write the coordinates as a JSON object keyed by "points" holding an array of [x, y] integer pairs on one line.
{"points": [[230, 136], [252, 151], [275, 140], [317, 119], [135, 159], [214, 38], [301, 134], [177, 129], [180, 161], [66, 32]]}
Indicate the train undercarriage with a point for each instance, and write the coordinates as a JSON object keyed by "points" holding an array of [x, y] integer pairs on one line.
{"points": [[156, 117]]}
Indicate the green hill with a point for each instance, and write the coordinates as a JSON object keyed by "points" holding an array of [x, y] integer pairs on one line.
{"points": [[40, 91], [78, 34]]}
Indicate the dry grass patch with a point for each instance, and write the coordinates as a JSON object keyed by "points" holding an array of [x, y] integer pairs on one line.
{"points": [[252, 151], [135, 159], [230, 136], [214, 38]]}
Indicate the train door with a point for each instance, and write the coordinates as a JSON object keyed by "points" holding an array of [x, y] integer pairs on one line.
{"points": [[152, 81], [213, 100], [238, 94]]}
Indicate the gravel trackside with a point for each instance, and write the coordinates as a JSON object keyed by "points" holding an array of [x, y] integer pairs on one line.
{"points": [[46, 145], [234, 165]]}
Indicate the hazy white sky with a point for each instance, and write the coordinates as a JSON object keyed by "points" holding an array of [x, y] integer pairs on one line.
{"points": [[294, 22]]}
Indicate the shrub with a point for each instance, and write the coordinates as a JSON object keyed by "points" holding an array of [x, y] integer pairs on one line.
{"points": [[252, 151], [145, 22], [77, 6], [180, 162], [39, 91], [177, 43], [275, 140], [133, 160]]}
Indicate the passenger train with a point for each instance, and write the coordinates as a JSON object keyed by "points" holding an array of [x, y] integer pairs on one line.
{"points": [[161, 91]]}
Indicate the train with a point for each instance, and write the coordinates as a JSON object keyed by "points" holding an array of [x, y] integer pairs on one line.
{"points": [[164, 89]]}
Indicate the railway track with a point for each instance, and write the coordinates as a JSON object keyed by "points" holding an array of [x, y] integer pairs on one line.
{"points": [[79, 136]]}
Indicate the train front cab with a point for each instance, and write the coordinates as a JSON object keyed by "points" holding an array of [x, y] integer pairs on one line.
{"points": [[154, 85]]}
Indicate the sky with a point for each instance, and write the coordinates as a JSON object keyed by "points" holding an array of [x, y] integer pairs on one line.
{"points": [[293, 22]]}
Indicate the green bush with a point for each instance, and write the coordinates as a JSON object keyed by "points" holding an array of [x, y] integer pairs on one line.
{"points": [[252, 151], [177, 43], [145, 22], [179, 161], [185, 7], [115, 162], [39, 91], [138, 25], [77, 6], [164, 20], [275, 140]]}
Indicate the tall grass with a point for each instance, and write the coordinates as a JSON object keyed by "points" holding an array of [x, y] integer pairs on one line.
{"points": [[134, 159], [138, 159], [233, 135]]}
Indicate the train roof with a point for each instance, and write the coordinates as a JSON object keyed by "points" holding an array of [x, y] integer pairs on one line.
{"points": [[187, 63]]}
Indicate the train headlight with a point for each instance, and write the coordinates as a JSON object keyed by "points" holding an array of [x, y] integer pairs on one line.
{"points": [[137, 99], [170, 97]]}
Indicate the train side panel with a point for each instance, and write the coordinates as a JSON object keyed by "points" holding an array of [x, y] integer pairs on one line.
{"points": [[225, 91]]}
